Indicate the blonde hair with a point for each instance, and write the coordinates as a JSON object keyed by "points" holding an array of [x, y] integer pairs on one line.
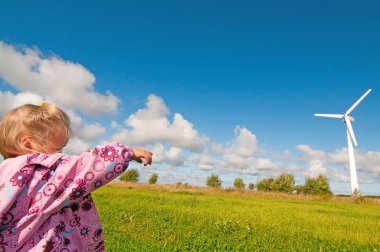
{"points": [[40, 123]]}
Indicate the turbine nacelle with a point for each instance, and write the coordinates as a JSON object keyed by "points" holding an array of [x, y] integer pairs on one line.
{"points": [[348, 117]]}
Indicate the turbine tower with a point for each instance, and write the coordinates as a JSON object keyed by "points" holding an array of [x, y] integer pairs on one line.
{"points": [[347, 119]]}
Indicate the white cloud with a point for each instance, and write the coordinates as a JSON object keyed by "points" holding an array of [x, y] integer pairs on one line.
{"points": [[77, 146], [309, 153], [204, 160], [151, 125], [91, 132], [339, 157], [369, 161], [366, 162], [336, 165], [175, 156], [171, 155], [85, 135], [316, 167], [316, 162], [244, 144], [158, 151], [265, 164], [8, 100], [337, 175], [64, 83], [116, 125], [240, 155]]}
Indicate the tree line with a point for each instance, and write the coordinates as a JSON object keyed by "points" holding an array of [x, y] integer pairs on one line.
{"points": [[284, 183]]}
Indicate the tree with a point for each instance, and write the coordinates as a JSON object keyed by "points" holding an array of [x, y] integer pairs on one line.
{"points": [[266, 184], [130, 175], [251, 186], [214, 181], [283, 183], [239, 184], [316, 186], [153, 178]]}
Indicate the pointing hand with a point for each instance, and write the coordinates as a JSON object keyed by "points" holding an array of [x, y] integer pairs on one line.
{"points": [[140, 154]]}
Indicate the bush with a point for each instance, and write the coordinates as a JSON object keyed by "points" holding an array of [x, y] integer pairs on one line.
{"points": [[214, 181], [284, 183], [239, 184], [316, 186], [267, 185], [251, 186], [153, 178], [131, 175]]}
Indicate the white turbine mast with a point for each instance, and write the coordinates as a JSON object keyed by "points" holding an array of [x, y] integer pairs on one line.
{"points": [[348, 119]]}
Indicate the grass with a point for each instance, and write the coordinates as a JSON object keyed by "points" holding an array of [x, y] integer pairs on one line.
{"points": [[139, 217]]}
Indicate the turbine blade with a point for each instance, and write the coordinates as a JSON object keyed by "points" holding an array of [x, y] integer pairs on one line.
{"points": [[330, 115], [350, 130], [357, 102]]}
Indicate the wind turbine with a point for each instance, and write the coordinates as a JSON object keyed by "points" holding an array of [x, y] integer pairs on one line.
{"points": [[347, 119]]}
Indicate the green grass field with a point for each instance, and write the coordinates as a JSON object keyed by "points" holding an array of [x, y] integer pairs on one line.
{"points": [[168, 218]]}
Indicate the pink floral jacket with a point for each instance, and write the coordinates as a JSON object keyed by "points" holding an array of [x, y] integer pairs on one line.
{"points": [[45, 200]]}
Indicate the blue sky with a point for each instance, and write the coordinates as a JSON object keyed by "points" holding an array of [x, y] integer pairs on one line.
{"points": [[263, 66]]}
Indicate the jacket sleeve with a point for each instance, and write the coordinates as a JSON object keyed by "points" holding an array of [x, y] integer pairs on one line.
{"points": [[91, 170], [73, 177]]}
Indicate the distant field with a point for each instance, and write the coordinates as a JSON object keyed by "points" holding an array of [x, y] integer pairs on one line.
{"points": [[139, 217]]}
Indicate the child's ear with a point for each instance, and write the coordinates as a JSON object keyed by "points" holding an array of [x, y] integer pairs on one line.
{"points": [[26, 142]]}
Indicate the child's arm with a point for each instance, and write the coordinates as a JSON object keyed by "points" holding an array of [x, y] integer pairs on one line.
{"points": [[77, 176]]}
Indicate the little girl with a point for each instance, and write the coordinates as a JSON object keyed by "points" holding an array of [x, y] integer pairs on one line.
{"points": [[45, 200]]}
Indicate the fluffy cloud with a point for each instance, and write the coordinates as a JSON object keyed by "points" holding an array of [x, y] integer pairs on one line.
{"points": [[172, 155], [76, 146], [365, 162], [244, 144], [309, 153], [65, 83], [91, 132], [8, 100], [85, 135], [204, 161], [315, 168], [170, 140], [336, 165], [151, 125], [240, 156]]}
